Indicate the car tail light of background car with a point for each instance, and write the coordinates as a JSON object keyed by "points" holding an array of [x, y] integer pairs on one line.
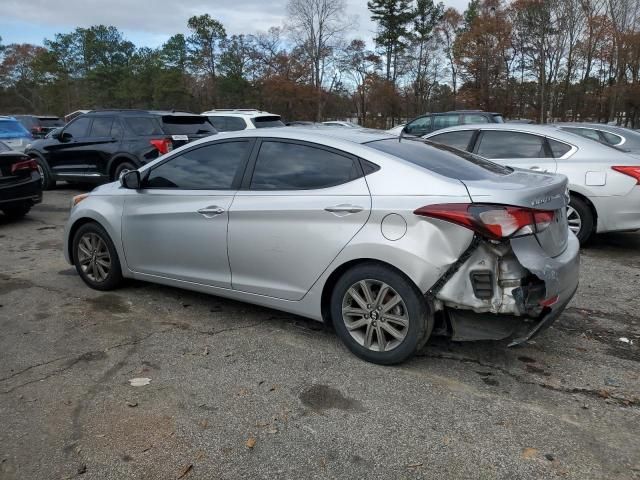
{"points": [[24, 165], [163, 146], [496, 222], [631, 171]]}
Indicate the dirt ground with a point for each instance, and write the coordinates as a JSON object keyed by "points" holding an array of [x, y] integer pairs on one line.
{"points": [[238, 391]]}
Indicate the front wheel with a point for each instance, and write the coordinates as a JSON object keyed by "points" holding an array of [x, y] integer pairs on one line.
{"points": [[379, 314], [580, 219], [95, 258]]}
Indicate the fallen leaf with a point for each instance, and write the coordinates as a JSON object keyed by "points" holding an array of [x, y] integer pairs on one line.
{"points": [[446, 440], [603, 393], [185, 471], [415, 465], [251, 442], [272, 430], [206, 351], [262, 424], [204, 423], [529, 453], [132, 404], [139, 382]]}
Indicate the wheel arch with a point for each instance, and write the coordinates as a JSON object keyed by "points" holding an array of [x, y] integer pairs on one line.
{"points": [[589, 203]]}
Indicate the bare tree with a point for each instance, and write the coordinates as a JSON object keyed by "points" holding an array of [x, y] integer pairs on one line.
{"points": [[316, 27]]}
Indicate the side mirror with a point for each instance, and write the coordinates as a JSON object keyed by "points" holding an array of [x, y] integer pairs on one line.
{"points": [[64, 136], [56, 134], [131, 180]]}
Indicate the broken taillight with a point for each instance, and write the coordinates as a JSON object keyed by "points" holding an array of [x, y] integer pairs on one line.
{"points": [[163, 146], [492, 221], [631, 171]]}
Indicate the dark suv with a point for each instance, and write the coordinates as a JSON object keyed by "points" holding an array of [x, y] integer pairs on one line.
{"points": [[39, 125], [435, 121], [98, 146]]}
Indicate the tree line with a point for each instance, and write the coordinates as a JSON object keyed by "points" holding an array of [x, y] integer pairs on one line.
{"points": [[536, 59]]}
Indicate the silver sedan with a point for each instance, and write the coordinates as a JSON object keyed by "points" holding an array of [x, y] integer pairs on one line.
{"points": [[386, 239], [604, 182]]}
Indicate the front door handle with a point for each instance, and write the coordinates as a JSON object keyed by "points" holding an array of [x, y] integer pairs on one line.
{"points": [[344, 209], [210, 212]]}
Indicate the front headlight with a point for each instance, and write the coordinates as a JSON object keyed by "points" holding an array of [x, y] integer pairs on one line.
{"points": [[78, 198]]}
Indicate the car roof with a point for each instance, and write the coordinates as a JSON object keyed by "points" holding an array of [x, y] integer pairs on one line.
{"points": [[242, 112], [598, 126]]}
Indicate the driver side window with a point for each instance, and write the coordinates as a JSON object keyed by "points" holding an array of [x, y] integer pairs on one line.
{"points": [[419, 126], [78, 128], [211, 167]]}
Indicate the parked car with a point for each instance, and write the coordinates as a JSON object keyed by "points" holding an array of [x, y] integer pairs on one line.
{"points": [[603, 181], [70, 116], [623, 138], [384, 237], [13, 134], [301, 123], [435, 121], [39, 125], [233, 119], [20, 186], [339, 123], [98, 146]]}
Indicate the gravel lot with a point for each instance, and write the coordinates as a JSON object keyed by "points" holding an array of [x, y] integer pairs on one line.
{"points": [[239, 391]]}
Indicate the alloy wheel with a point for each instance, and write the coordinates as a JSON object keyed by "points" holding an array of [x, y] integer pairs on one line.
{"points": [[574, 220], [375, 315], [94, 257]]}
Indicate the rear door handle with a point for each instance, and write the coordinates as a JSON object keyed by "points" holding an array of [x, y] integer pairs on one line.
{"points": [[210, 212], [344, 209]]}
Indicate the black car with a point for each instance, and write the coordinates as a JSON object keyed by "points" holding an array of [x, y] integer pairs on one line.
{"points": [[39, 125], [20, 184], [435, 121], [98, 146]]}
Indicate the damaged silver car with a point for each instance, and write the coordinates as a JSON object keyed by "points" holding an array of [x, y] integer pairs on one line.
{"points": [[388, 239]]}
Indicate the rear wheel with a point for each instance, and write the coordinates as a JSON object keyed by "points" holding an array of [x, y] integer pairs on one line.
{"points": [[95, 258], [16, 211], [379, 314], [580, 219]]}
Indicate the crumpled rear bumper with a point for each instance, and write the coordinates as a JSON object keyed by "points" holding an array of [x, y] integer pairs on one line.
{"points": [[518, 308]]}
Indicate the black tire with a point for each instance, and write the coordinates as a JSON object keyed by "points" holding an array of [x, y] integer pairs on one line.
{"points": [[121, 167], [48, 180], [15, 212], [587, 226], [113, 278], [420, 318]]}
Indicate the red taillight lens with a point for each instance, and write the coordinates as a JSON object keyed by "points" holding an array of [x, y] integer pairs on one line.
{"points": [[29, 165], [163, 146], [493, 221], [631, 171]]}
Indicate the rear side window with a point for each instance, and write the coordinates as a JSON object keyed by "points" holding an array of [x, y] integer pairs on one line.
{"points": [[291, 166], [474, 118], [186, 125], [267, 121], [498, 144], [101, 127], [235, 123], [441, 159], [143, 125], [611, 138], [558, 148], [78, 128], [498, 119], [211, 167], [444, 121], [584, 132], [459, 139]]}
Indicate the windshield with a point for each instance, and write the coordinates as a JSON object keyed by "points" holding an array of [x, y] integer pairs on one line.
{"points": [[4, 147], [12, 128], [267, 121], [186, 125], [441, 159]]}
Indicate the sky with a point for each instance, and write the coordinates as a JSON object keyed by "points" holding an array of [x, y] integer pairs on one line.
{"points": [[150, 23]]}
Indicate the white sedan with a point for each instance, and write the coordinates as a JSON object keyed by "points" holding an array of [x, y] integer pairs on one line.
{"points": [[604, 182]]}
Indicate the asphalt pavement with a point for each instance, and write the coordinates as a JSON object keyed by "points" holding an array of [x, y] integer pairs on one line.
{"points": [[233, 391]]}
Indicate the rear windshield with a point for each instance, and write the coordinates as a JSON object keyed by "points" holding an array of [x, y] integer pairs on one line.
{"points": [[441, 159], [267, 121], [144, 125], [498, 119], [51, 122], [186, 125], [8, 127]]}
